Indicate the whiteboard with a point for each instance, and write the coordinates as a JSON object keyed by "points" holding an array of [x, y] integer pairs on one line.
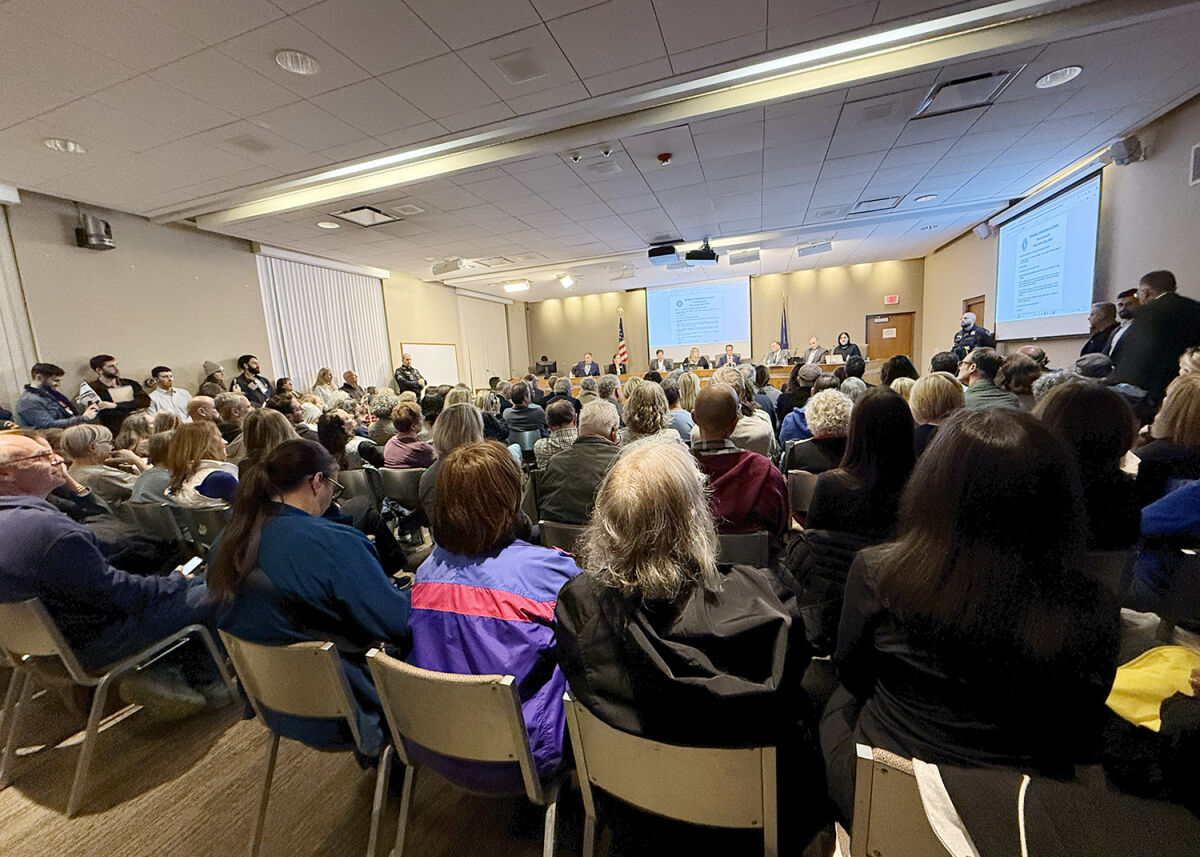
{"points": [[437, 362]]}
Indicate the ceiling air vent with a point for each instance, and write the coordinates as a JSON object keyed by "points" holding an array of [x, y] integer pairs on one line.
{"points": [[814, 248], [869, 206], [978, 90], [408, 209], [365, 215], [494, 261], [832, 212], [1194, 175], [519, 67]]}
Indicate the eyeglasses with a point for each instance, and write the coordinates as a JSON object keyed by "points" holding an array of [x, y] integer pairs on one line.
{"points": [[338, 488], [51, 454]]}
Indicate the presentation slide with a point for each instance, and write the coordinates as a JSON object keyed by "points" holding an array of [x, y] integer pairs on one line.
{"points": [[1047, 265], [708, 316]]}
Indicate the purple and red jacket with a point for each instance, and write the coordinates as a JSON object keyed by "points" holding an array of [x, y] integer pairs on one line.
{"points": [[491, 615]]}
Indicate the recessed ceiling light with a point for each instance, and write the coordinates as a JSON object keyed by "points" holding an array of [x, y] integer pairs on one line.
{"points": [[297, 62], [929, 197], [567, 280], [60, 144], [328, 224], [518, 286], [1059, 76]]}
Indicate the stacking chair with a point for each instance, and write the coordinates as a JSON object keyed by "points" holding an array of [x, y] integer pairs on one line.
{"points": [[358, 484], [201, 527], [800, 484], [889, 818], [31, 640], [156, 521], [472, 717], [743, 549], [303, 680], [1181, 602], [525, 440], [403, 486], [564, 536], [714, 786]]}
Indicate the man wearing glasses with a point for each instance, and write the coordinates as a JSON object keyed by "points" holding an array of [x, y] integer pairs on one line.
{"points": [[104, 613]]}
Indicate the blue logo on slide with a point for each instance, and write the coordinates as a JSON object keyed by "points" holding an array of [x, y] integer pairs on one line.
{"points": [[678, 303], [1024, 244]]}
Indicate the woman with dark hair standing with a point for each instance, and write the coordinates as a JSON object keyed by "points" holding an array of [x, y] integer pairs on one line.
{"points": [[845, 348], [288, 575], [969, 641], [897, 367], [862, 496], [475, 596]]}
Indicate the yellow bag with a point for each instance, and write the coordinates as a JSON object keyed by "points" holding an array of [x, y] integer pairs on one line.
{"points": [[1142, 684]]}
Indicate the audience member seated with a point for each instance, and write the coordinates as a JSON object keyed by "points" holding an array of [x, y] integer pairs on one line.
{"points": [[978, 372], [494, 428], [680, 419], [523, 416], [1049, 380], [646, 414], [135, 433], [656, 640], [754, 431], [1097, 426], [765, 395], [829, 421], [795, 392], [1017, 376], [504, 390], [350, 386], [562, 390], [609, 390], [567, 487], [459, 424], [42, 406], [310, 410], [335, 432], [200, 476], [474, 597], [689, 389], [944, 361], [537, 395], [288, 575], [166, 396], [381, 405], [795, 424], [1172, 458], [404, 450], [232, 409], [1168, 524], [202, 408], [899, 366], [932, 400], [970, 641], [431, 405], [323, 387], [903, 386], [748, 493], [561, 416], [103, 613], [110, 473], [853, 388], [1038, 355], [254, 386], [290, 407], [151, 485], [588, 391], [120, 397], [263, 431]]}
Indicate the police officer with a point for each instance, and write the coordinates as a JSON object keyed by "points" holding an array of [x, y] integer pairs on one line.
{"points": [[970, 337], [407, 377]]}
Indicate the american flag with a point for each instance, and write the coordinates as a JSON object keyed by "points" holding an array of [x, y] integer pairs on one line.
{"points": [[622, 353]]}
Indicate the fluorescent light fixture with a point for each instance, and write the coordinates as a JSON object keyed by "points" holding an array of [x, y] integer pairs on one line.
{"points": [[814, 249], [61, 144], [365, 215], [928, 197], [297, 62], [741, 257], [328, 224], [567, 280], [517, 286], [1059, 76]]}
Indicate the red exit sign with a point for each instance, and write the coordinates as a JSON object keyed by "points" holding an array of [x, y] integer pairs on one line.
{"points": [[891, 299]]}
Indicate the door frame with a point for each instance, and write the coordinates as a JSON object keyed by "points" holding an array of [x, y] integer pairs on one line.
{"points": [[867, 324]]}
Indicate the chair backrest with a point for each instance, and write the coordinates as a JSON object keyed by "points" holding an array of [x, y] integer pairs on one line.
{"points": [[154, 520], [201, 526], [301, 679], [27, 630], [473, 717], [743, 548], [524, 439], [564, 536], [1181, 602], [403, 486], [720, 787], [1114, 569], [801, 484], [889, 818], [356, 484]]}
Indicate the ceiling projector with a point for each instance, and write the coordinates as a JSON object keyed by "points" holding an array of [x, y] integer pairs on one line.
{"points": [[448, 266], [705, 255], [663, 254]]}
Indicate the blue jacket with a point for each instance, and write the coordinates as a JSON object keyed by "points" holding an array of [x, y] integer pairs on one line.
{"points": [[490, 615], [39, 407], [795, 426], [320, 580], [44, 554]]}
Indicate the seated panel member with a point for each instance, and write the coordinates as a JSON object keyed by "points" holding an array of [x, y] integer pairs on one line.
{"points": [[661, 363], [728, 358], [815, 352], [776, 356], [696, 360], [845, 348], [618, 366], [586, 366]]}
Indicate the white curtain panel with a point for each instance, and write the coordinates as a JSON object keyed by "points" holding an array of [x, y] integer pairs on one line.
{"points": [[318, 317], [17, 353], [483, 327]]}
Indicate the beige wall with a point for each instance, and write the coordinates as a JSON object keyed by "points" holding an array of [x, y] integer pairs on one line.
{"points": [[421, 312], [166, 295], [518, 339], [963, 269], [826, 301], [564, 328]]}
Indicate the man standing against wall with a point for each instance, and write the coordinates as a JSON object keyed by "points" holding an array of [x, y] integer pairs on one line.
{"points": [[118, 397], [249, 383]]}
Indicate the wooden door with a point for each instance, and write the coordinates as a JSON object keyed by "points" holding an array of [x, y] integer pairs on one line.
{"points": [[889, 334], [975, 305]]}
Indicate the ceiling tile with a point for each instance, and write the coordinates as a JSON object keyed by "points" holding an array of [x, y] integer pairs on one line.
{"points": [[737, 140], [379, 35], [308, 125], [412, 134], [22, 97], [89, 121], [688, 24], [499, 189], [814, 27], [257, 48], [44, 55], [609, 37], [467, 22], [169, 108], [534, 45], [556, 97], [557, 8], [478, 117], [223, 82], [525, 205], [355, 149], [441, 86], [214, 20], [370, 107], [629, 76], [719, 53]]}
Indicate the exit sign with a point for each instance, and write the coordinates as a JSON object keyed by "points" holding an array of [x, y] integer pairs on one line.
{"points": [[891, 299]]}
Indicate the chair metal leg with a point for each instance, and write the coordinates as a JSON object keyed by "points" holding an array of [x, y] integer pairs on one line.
{"points": [[268, 774], [381, 784], [10, 700], [89, 744], [551, 827], [13, 719], [410, 775], [589, 836], [219, 659]]}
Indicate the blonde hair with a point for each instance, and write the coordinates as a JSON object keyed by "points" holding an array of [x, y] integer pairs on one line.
{"points": [[732, 376], [263, 430], [324, 376], [689, 389], [632, 384], [78, 440], [1189, 361], [828, 414], [407, 396], [646, 409], [651, 534], [456, 425], [312, 399], [458, 396], [904, 387], [1179, 418], [190, 444], [935, 397]]}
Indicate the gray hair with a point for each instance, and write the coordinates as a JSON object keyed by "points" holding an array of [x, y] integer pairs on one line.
{"points": [[78, 440], [458, 424], [607, 385], [589, 384], [651, 534], [598, 419], [226, 402], [1048, 381], [853, 388], [340, 399], [381, 404], [646, 409], [732, 376], [828, 414], [562, 387]]}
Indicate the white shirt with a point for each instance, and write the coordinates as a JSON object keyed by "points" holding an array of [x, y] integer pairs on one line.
{"points": [[174, 399], [1118, 333]]}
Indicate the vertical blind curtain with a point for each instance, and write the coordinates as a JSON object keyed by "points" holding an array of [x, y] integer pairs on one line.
{"points": [[318, 317], [483, 328], [17, 352]]}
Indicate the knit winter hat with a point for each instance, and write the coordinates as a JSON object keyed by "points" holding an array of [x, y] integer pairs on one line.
{"points": [[211, 368]]}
